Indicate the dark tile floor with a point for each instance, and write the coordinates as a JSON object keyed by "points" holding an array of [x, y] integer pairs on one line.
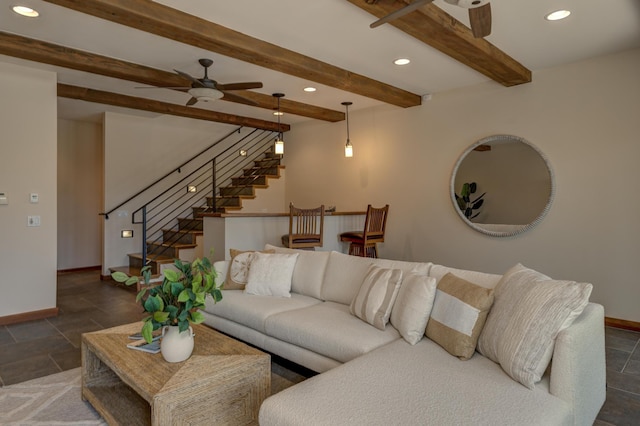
{"points": [[39, 348]]}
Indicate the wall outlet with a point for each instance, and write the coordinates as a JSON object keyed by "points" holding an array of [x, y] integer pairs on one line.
{"points": [[33, 220], [34, 198]]}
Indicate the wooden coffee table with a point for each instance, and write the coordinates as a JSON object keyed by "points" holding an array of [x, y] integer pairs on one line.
{"points": [[224, 381]]}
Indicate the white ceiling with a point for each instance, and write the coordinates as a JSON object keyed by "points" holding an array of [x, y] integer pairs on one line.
{"points": [[333, 31]]}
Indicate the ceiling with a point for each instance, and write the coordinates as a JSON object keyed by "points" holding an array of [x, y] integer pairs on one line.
{"points": [[335, 32]]}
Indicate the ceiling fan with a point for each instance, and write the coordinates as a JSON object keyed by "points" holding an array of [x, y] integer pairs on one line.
{"points": [[479, 14], [205, 89]]}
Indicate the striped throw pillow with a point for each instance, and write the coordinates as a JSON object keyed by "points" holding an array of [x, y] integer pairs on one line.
{"points": [[377, 293], [459, 312], [529, 311]]}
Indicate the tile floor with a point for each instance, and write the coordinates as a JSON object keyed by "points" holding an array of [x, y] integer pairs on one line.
{"points": [[43, 347]]}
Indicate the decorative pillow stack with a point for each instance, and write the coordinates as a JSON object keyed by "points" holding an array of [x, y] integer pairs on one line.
{"points": [[530, 310], [270, 274], [238, 272], [376, 296], [459, 312]]}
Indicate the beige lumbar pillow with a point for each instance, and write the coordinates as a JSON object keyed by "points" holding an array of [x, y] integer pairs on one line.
{"points": [[377, 293], [412, 307], [530, 310], [238, 271], [459, 312]]}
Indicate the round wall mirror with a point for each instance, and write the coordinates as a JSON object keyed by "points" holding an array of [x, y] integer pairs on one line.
{"points": [[502, 185]]}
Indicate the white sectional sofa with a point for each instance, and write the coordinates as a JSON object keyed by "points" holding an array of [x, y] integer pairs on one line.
{"points": [[375, 377]]}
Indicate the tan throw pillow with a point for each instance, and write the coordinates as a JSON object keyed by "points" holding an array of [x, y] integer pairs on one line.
{"points": [[377, 293], [458, 315], [238, 271], [530, 310], [412, 307]]}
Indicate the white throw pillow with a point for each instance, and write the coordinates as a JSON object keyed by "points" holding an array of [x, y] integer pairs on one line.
{"points": [[270, 274], [377, 293], [238, 271], [412, 308], [529, 311]]}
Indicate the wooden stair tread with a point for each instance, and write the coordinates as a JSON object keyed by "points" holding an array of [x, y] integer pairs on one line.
{"points": [[185, 231], [172, 245], [158, 258]]}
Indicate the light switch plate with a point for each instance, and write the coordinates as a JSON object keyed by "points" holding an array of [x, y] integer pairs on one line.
{"points": [[33, 220], [34, 198]]}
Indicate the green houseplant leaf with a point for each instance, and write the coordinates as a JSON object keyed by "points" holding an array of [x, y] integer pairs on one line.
{"points": [[176, 300]]}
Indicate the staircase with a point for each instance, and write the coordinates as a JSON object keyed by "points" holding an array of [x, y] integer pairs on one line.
{"points": [[185, 239]]}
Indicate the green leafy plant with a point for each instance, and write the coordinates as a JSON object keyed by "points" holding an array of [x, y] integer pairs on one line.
{"points": [[177, 300], [466, 204]]}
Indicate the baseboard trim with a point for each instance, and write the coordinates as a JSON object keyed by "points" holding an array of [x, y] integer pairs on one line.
{"points": [[105, 277], [29, 316], [83, 269], [620, 323]]}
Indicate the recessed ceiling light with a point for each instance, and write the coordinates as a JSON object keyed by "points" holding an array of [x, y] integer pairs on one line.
{"points": [[402, 61], [309, 89], [26, 11], [557, 15], [278, 113]]}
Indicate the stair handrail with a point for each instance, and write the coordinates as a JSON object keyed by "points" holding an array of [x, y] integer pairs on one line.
{"points": [[174, 170]]}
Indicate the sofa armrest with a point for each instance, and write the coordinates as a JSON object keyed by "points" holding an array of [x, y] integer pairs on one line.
{"points": [[221, 268], [578, 369]]}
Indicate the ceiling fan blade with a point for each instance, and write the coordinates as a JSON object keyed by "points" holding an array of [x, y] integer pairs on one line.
{"points": [[162, 87], [416, 4], [240, 99], [192, 79], [480, 19], [239, 86], [191, 101]]}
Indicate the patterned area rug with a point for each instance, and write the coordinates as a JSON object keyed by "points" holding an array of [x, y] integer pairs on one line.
{"points": [[55, 400]]}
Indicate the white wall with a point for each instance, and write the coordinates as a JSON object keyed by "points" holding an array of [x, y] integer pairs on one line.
{"points": [[583, 116], [27, 165], [80, 195]]}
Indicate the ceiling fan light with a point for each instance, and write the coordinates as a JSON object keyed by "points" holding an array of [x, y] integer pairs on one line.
{"points": [[557, 15], [309, 89], [402, 61], [205, 94]]}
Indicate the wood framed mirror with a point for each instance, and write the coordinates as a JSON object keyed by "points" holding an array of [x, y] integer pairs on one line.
{"points": [[510, 185]]}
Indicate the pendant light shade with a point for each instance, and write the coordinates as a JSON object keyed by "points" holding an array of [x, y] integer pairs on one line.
{"points": [[278, 147], [348, 148]]}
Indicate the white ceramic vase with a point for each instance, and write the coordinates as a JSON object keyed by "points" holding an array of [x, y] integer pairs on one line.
{"points": [[176, 346]]}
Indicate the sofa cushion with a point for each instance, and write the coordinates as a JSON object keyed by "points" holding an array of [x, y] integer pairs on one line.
{"points": [[459, 312], [270, 274], [345, 273], [479, 278], [530, 310], [376, 296], [400, 384], [252, 310], [238, 272], [329, 329], [413, 305], [309, 271]]}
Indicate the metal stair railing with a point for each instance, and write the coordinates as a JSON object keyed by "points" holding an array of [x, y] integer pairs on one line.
{"points": [[191, 191]]}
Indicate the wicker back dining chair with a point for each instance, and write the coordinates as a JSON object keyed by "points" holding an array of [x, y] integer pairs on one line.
{"points": [[365, 243], [306, 228]]}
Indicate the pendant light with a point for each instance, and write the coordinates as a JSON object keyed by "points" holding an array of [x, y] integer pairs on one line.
{"points": [[279, 145], [348, 149]]}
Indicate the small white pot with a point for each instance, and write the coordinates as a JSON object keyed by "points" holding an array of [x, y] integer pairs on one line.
{"points": [[176, 346]]}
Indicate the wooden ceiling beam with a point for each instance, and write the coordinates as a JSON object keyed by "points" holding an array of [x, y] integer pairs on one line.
{"points": [[438, 29], [170, 23], [116, 99], [66, 57]]}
